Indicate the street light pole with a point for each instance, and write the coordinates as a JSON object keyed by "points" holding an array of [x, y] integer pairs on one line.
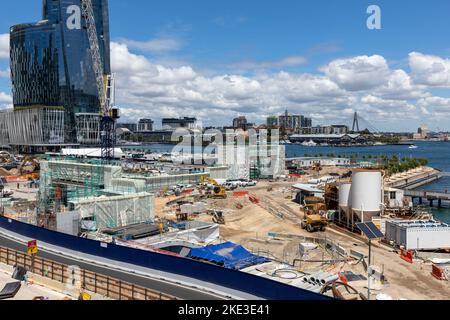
{"points": [[369, 269]]}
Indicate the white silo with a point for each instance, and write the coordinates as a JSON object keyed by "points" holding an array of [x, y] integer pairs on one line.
{"points": [[345, 197], [366, 193]]}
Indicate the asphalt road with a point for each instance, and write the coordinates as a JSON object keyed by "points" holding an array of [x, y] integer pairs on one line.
{"points": [[176, 290]]}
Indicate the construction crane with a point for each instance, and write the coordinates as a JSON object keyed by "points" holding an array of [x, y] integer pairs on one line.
{"points": [[218, 190], [105, 86]]}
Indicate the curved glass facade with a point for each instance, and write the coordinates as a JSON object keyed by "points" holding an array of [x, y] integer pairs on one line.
{"points": [[51, 63]]}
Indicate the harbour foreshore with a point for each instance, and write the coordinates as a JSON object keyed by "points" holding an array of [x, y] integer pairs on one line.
{"points": [[413, 179]]}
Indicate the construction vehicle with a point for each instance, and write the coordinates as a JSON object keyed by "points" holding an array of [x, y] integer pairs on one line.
{"points": [[218, 217], [218, 192], [314, 222], [317, 168], [31, 171], [105, 86]]}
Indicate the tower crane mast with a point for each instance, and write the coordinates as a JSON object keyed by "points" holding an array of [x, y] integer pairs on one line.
{"points": [[104, 84]]}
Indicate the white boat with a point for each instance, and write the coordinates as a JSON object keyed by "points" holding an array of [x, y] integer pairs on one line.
{"points": [[413, 147], [310, 143]]}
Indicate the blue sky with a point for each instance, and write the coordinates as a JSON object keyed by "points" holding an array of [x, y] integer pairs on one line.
{"points": [[188, 48]]}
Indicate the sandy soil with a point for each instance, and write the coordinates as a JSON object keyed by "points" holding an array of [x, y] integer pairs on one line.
{"points": [[275, 212]]}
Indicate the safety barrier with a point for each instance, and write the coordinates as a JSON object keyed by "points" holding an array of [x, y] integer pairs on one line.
{"points": [[240, 194], [198, 271], [438, 273], [406, 255], [89, 281]]}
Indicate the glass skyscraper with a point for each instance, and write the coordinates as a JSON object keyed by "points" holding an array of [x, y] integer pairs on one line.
{"points": [[51, 65]]}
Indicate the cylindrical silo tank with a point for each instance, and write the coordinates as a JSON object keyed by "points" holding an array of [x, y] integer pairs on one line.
{"points": [[345, 196], [366, 193]]}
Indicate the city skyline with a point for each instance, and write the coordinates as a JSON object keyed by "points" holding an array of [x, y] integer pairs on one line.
{"points": [[221, 61]]}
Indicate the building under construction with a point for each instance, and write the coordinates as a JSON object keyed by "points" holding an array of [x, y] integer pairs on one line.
{"points": [[108, 194]]}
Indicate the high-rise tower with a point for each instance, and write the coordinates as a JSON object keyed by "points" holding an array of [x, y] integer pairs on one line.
{"points": [[52, 68]]}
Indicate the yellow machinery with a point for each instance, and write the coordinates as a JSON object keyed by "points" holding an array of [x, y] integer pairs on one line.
{"points": [[218, 191], [314, 223], [317, 168], [31, 172]]}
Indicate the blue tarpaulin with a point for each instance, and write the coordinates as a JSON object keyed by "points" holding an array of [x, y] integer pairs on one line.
{"points": [[228, 254]]}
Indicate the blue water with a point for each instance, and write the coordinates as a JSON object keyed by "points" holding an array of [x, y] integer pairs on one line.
{"points": [[437, 153]]}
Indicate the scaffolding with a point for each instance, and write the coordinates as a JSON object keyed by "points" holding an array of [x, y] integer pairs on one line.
{"points": [[65, 181]]}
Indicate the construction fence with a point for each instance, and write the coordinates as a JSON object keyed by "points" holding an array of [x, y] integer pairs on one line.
{"points": [[89, 281]]}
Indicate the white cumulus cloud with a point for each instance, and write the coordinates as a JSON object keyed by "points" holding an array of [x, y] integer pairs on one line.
{"points": [[157, 45], [4, 46], [146, 88], [358, 73], [430, 70]]}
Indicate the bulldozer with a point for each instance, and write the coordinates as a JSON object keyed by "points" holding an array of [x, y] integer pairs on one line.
{"points": [[218, 192], [314, 222]]}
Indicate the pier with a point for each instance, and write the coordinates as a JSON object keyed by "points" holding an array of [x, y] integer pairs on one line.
{"points": [[430, 196], [414, 179]]}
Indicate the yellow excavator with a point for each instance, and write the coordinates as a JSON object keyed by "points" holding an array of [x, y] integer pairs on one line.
{"points": [[218, 191], [30, 172]]}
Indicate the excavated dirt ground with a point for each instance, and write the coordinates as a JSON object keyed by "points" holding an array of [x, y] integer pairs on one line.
{"points": [[251, 225]]}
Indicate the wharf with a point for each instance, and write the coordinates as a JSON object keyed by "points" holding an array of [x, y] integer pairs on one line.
{"points": [[413, 179]]}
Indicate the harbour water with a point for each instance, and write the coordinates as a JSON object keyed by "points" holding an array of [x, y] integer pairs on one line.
{"points": [[438, 154]]}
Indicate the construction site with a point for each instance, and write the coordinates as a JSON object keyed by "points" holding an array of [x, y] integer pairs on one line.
{"points": [[183, 225], [293, 229]]}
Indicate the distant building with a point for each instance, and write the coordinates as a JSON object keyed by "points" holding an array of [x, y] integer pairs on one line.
{"points": [[133, 127], [290, 122], [174, 123], [272, 121], [145, 125], [422, 133], [331, 139], [55, 97], [240, 123], [334, 129], [306, 122]]}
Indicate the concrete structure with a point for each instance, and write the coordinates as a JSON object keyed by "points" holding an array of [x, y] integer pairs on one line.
{"points": [[115, 211], [419, 234], [289, 122], [145, 125], [174, 123], [262, 161], [63, 182], [33, 129], [422, 133]]}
